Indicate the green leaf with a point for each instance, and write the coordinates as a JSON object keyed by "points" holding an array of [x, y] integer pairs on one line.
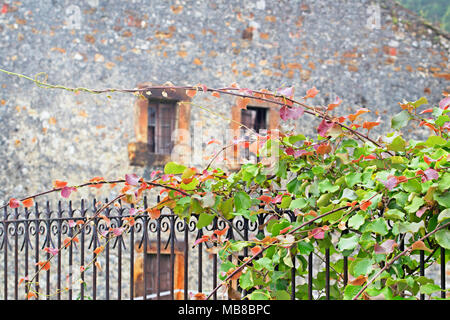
{"points": [[412, 186], [226, 208], [238, 246], [441, 120], [242, 201], [353, 178], [351, 291], [299, 203], [444, 182], [361, 266], [378, 226], [305, 247], [259, 295], [349, 195], [429, 288], [246, 280], [204, 220], [264, 263], [398, 144], [296, 138], [412, 227], [442, 199], [356, 221], [282, 295], [191, 185], [400, 120], [435, 140], [174, 168], [415, 205], [394, 214], [443, 238], [348, 242], [327, 186], [444, 215], [419, 102], [293, 185]]}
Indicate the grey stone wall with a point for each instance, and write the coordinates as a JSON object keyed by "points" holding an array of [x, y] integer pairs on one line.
{"points": [[55, 134], [49, 134]]}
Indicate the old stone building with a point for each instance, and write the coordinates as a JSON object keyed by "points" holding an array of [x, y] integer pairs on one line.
{"points": [[371, 54]]}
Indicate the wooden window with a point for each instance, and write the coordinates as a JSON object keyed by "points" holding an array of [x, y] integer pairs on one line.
{"points": [[161, 124], [254, 118], [158, 113], [169, 266]]}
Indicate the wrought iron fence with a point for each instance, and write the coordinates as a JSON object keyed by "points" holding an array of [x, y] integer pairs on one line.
{"points": [[155, 259]]}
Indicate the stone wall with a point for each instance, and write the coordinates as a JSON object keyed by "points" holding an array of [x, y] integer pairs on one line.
{"points": [[55, 134]]}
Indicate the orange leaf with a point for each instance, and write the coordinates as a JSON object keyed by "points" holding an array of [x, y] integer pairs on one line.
{"points": [[98, 250], [352, 117], [130, 220], [265, 199], [420, 245], [31, 295], [216, 94], [27, 202], [255, 250], [323, 148], [358, 281], [57, 184], [45, 265], [221, 232], [191, 93], [365, 205], [97, 179], [98, 265], [369, 125], [154, 213], [242, 102], [311, 93]]}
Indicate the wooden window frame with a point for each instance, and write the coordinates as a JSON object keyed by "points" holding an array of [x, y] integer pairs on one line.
{"points": [[273, 122], [138, 151], [152, 249]]}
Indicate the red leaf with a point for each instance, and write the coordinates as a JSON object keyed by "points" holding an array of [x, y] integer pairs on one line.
{"points": [[132, 179], [14, 203], [52, 251], [154, 213], [97, 179], [242, 102], [200, 240], [317, 233], [265, 199], [66, 191], [323, 127]]}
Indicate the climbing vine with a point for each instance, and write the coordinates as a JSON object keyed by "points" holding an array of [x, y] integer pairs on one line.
{"points": [[376, 202]]}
